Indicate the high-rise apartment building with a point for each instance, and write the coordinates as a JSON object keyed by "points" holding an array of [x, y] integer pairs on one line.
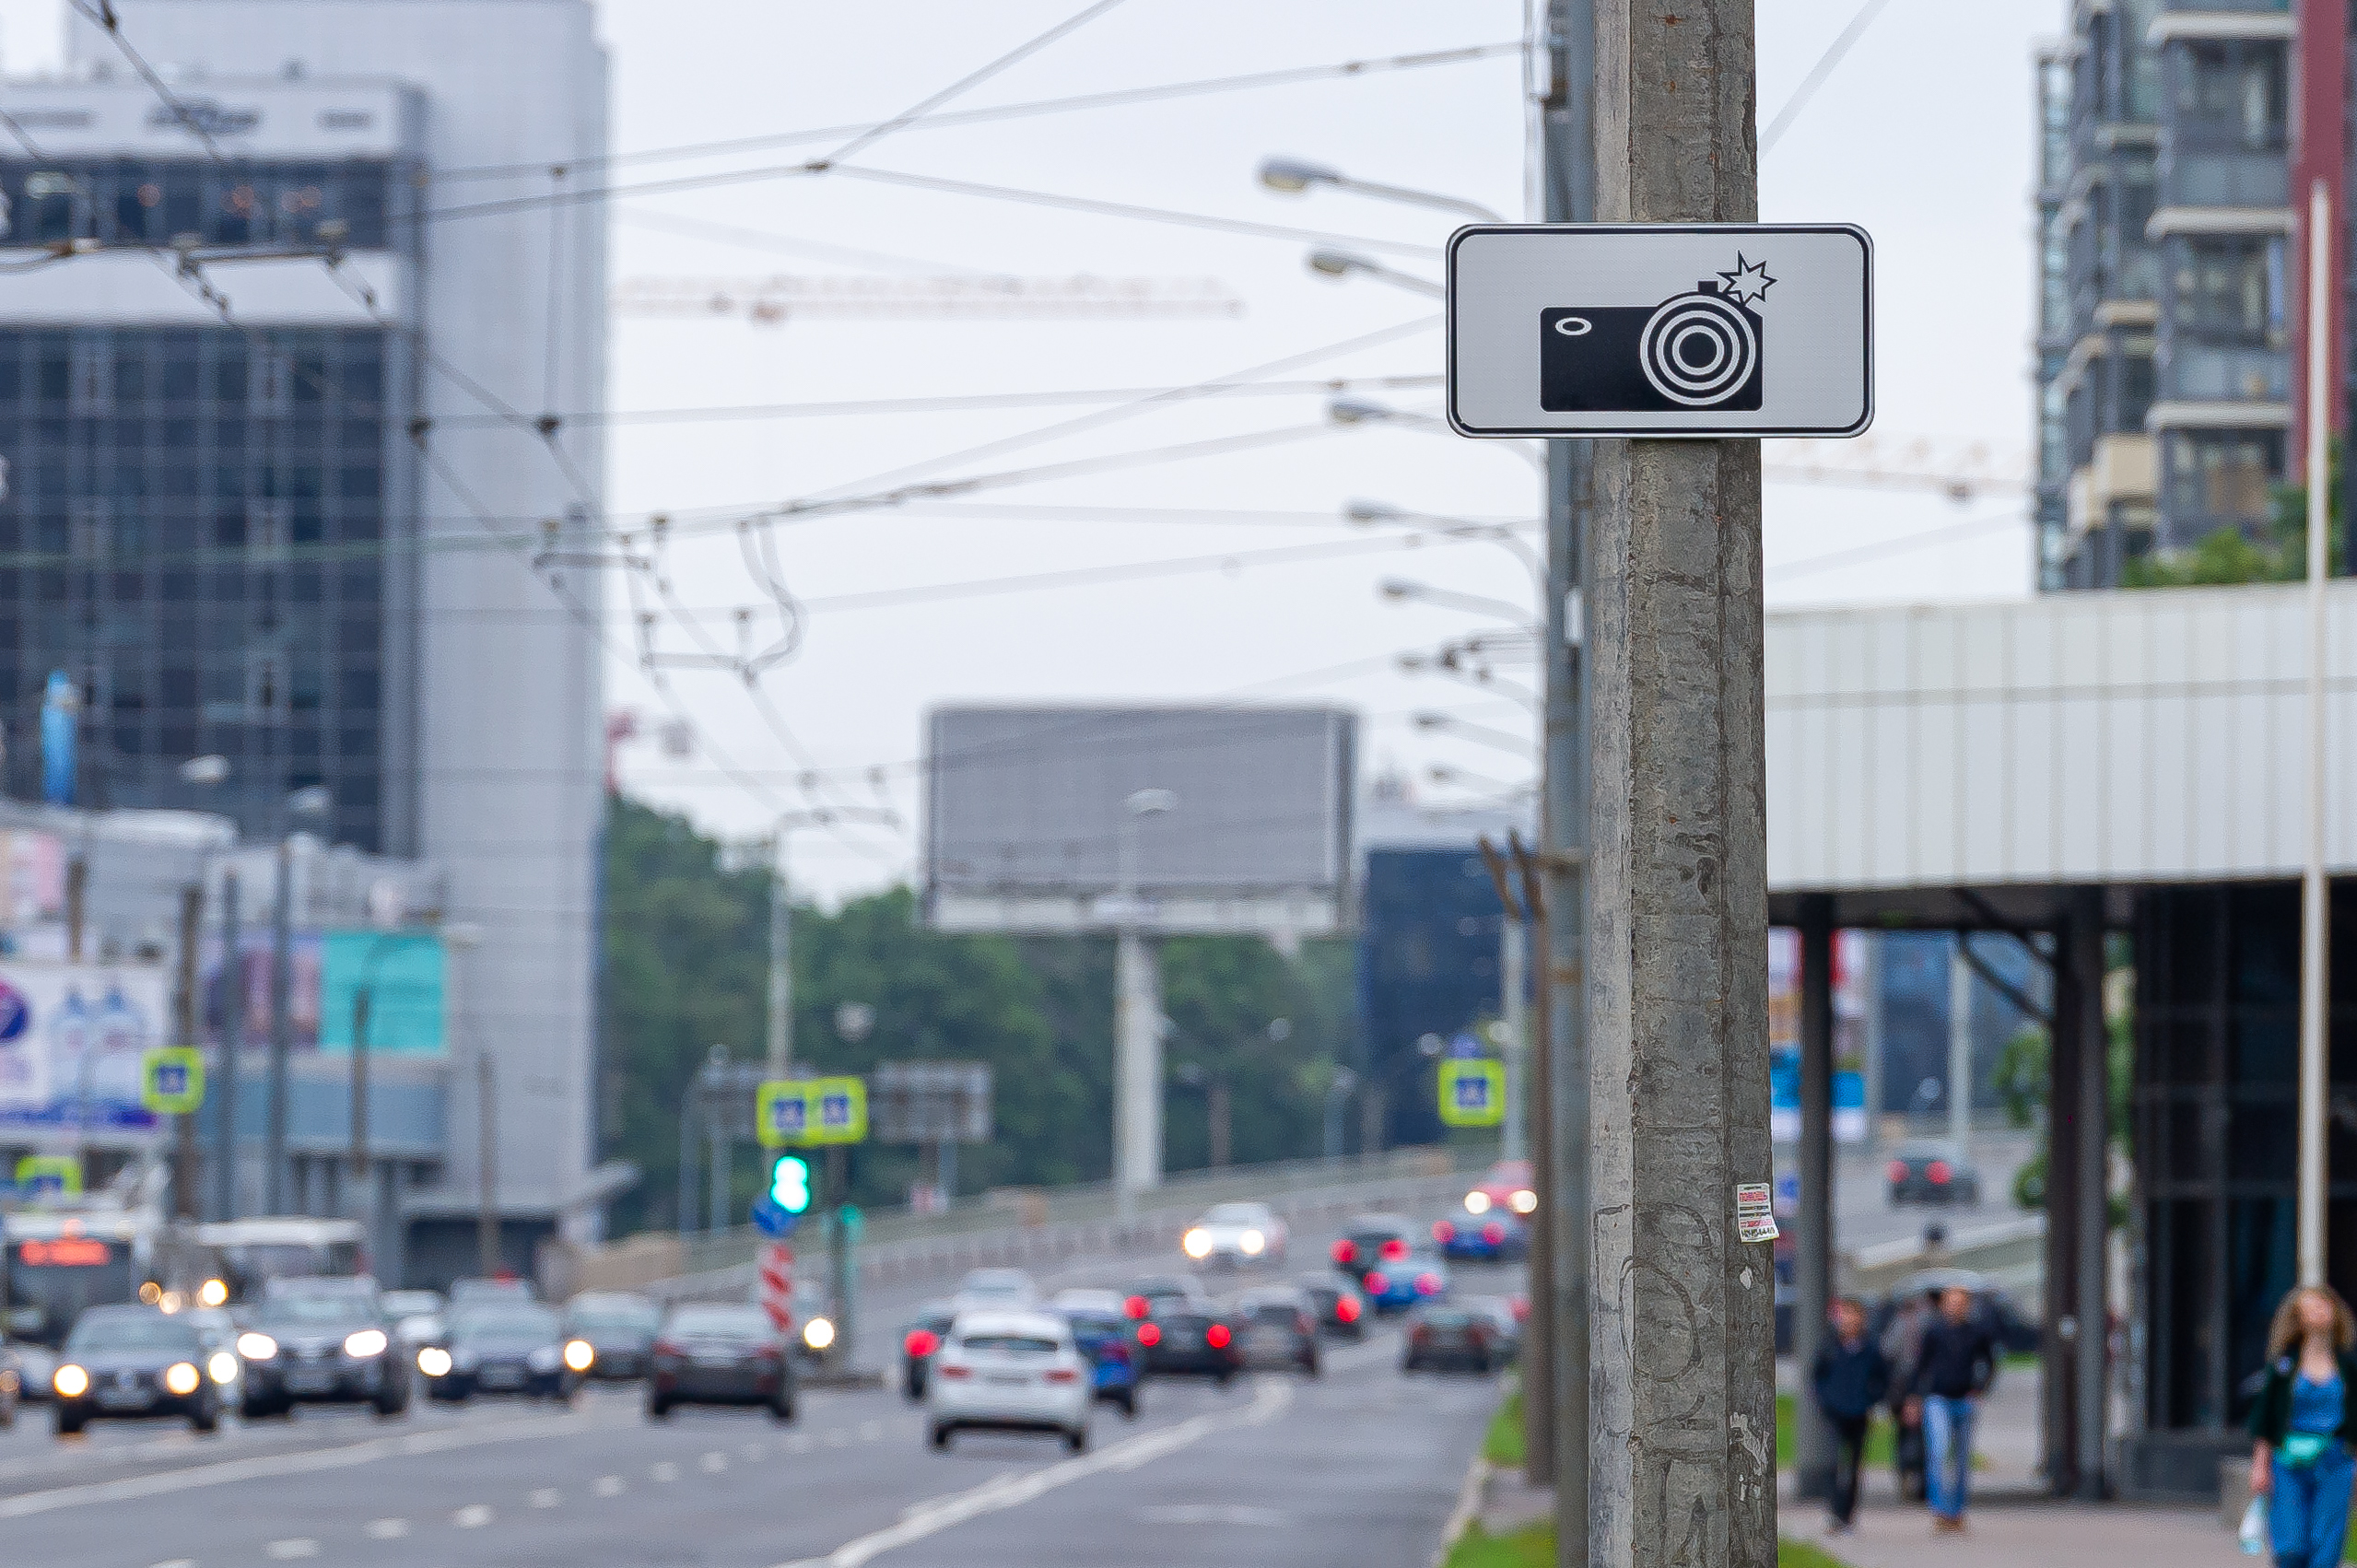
{"points": [[2168, 277], [284, 509]]}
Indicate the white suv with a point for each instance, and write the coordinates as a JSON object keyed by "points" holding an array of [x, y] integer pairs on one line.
{"points": [[1010, 1372]]}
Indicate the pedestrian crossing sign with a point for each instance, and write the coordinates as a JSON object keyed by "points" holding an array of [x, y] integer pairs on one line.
{"points": [[790, 1114], [1472, 1093], [172, 1080]]}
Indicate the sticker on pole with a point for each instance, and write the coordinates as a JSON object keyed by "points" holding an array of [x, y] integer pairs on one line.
{"points": [[1472, 1093], [1661, 330], [1754, 1212]]}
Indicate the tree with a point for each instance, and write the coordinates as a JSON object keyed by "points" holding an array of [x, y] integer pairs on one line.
{"points": [[2228, 556]]}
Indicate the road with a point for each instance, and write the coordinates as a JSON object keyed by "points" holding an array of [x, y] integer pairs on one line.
{"points": [[1359, 1467]]}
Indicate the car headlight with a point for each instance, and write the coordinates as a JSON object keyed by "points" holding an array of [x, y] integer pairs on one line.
{"points": [[819, 1333], [546, 1359], [434, 1361], [1525, 1201], [1198, 1243], [364, 1343], [1477, 1202], [70, 1381], [1252, 1241], [579, 1354], [212, 1292], [257, 1346], [223, 1366], [182, 1377]]}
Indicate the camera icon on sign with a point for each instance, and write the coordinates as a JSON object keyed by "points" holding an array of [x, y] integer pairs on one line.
{"points": [[1701, 349]]}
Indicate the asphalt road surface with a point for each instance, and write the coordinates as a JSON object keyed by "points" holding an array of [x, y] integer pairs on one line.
{"points": [[1361, 1467]]}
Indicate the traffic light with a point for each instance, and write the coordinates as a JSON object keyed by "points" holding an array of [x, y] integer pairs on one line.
{"points": [[789, 1183]]}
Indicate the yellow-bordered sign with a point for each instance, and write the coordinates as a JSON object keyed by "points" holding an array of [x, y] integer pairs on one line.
{"points": [[172, 1080], [794, 1113], [1472, 1092]]}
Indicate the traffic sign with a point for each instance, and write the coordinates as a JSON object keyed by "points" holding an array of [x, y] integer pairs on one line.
{"points": [[49, 1175], [790, 1113], [839, 1110], [1472, 1093], [778, 1285], [172, 1080], [1625, 329], [790, 1184], [780, 1113], [773, 1219]]}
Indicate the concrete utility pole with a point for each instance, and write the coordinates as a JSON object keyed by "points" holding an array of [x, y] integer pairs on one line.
{"points": [[1537, 1362], [1568, 150], [224, 1117], [274, 1127], [1682, 1465], [186, 1013], [1137, 1016], [1959, 1050], [1513, 947]]}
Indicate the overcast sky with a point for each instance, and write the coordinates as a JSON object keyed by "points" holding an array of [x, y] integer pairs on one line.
{"points": [[1922, 134]]}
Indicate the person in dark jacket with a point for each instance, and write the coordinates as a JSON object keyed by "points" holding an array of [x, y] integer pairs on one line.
{"points": [[1847, 1379], [1956, 1366], [2301, 1428]]}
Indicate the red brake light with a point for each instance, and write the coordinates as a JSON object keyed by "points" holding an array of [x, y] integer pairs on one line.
{"points": [[953, 1372], [1137, 1307], [1216, 1335], [1937, 1171], [1443, 1232], [921, 1343], [1897, 1171], [1347, 1309], [1422, 1331], [1494, 1233], [1521, 1306], [1148, 1334], [1427, 1284], [1346, 1252], [1063, 1374], [1394, 1249], [1376, 1283]]}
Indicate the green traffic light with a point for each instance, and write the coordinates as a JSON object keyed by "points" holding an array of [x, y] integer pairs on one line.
{"points": [[789, 1183]]}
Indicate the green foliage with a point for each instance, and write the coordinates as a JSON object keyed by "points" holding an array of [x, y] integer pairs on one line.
{"points": [[2022, 1076], [687, 957], [2228, 556], [1532, 1546], [1502, 1445]]}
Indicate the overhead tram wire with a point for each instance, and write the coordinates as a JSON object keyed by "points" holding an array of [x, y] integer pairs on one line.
{"points": [[791, 244], [101, 12]]}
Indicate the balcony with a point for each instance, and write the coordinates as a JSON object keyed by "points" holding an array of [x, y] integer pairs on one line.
{"points": [[2259, 177], [2201, 373]]}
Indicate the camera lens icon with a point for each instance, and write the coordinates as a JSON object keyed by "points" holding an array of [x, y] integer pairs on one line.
{"points": [[1698, 349]]}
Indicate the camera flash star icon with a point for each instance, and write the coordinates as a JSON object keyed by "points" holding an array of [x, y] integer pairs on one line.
{"points": [[1748, 280]]}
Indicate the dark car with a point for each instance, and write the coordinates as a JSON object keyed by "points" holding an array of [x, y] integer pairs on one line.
{"points": [[619, 1328], [323, 1344], [1155, 1292], [1278, 1328], [1373, 1240], [920, 1339], [1931, 1173], [1496, 1237], [505, 1347], [130, 1362], [1183, 1336], [1340, 1308], [1105, 1336], [1460, 1334], [720, 1355]]}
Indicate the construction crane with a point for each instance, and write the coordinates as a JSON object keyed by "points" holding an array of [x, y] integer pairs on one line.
{"points": [[781, 296], [1959, 473]]}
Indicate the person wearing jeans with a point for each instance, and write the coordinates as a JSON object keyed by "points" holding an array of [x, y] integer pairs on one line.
{"points": [[1956, 1367], [2301, 1428]]}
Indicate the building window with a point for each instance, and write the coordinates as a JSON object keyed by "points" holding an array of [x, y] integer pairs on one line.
{"points": [[2232, 94], [152, 200], [2230, 289], [2219, 478]]}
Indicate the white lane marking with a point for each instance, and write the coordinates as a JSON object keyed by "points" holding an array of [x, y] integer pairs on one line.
{"points": [[713, 1463], [666, 1471], [1211, 1514], [1268, 1401], [274, 1465], [1468, 1502], [178, 1563], [609, 1486], [547, 1497], [288, 1550], [870, 1431], [385, 1529], [474, 1517]]}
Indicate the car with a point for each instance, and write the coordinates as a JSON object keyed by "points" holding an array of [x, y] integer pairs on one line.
{"points": [[12, 1385], [1277, 1329], [2016, 1334], [1499, 1236], [1403, 1281], [1504, 1187], [1010, 1371], [1005, 1289], [1930, 1172], [620, 1328], [1374, 1241], [501, 1345], [1190, 1335], [1106, 1336], [709, 1353], [218, 1330], [131, 1361], [920, 1337], [1465, 1334], [317, 1342], [1231, 1234], [416, 1316], [1155, 1292], [1339, 1307], [35, 1365]]}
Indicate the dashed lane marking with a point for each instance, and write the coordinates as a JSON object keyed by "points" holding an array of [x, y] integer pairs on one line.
{"points": [[385, 1529], [294, 1547], [665, 1471], [713, 1463], [608, 1486], [474, 1517], [547, 1497]]}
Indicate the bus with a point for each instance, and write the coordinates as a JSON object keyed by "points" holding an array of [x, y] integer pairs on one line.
{"points": [[56, 1264], [248, 1254]]}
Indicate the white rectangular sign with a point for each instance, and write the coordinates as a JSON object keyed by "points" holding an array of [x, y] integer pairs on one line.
{"points": [[1661, 330]]}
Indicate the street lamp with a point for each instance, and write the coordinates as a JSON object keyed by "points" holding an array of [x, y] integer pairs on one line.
{"points": [[1137, 1066], [464, 936], [1481, 733], [1365, 512], [1293, 177], [1399, 590], [1342, 264], [363, 999]]}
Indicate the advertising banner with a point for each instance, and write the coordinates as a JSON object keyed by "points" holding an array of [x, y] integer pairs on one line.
{"points": [[402, 972], [73, 1038]]}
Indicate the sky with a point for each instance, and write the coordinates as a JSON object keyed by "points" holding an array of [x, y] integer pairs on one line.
{"points": [[1233, 573]]}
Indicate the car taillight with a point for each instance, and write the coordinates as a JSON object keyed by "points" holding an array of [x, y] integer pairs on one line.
{"points": [[1347, 1309], [1216, 1335], [954, 1372], [1443, 1232], [1898, 1170], [1520, 1307], [1427, 1284], [1376, 1283], [1480, 1334], [1346, 1252], [1494, 1233], [1937, 1173], [1063, 1374], [920, 1343], [1137, 1307], [1148, 1334], [1394, 1249]]}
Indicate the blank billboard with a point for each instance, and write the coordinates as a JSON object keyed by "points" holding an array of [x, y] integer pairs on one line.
{"points": [[1024, 811]]}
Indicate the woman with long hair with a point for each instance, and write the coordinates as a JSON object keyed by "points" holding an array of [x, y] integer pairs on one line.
{"points": [[2301, 1428]]}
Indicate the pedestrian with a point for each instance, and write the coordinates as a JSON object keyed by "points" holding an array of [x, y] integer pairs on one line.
{"points": [[2300, 1428], [1848, 1378], [1902, 1345], [1956, 1366]]}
